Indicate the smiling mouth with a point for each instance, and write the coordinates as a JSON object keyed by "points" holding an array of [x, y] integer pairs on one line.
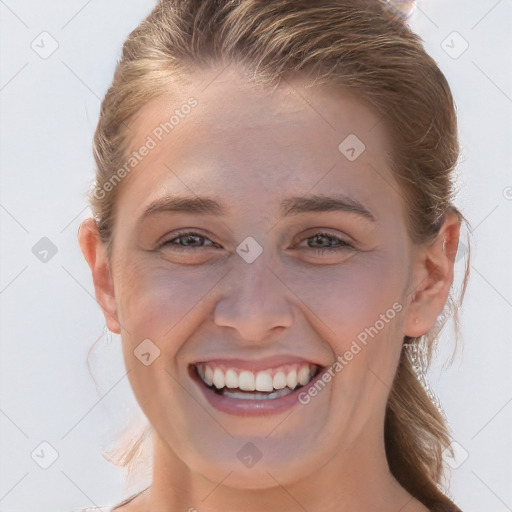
{"points": [[268, 384]]}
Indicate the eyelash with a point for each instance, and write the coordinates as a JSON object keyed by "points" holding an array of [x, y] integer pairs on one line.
{"points": [[343, 244]]}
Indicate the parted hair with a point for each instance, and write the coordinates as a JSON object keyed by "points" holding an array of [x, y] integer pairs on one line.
{"points": [[358, 46]]}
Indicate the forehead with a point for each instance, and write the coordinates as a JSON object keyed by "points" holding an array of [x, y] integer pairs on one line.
{"points": [[218, 134]]}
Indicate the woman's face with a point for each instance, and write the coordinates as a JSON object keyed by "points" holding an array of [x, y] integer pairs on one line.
{"points": [[259, 234]]}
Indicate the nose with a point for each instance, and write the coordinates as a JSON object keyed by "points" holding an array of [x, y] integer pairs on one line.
{"points": [[256, 303]]}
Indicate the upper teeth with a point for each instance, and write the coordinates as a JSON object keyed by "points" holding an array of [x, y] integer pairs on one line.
{"points": [[290, 375]]}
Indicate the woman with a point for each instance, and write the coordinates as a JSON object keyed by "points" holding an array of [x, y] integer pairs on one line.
{"points": [[273, 229]]}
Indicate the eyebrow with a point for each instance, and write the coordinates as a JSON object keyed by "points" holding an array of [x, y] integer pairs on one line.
{"points": [[289, 207]]}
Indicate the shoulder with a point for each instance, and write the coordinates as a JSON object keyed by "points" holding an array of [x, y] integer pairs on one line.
{"points": [[93, 509], [120, 507], [127, 505], [134, 503], [445, 507]]}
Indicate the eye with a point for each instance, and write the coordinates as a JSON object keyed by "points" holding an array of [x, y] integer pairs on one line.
{"points": [[187, 240], [193, 241], [322, 238]]}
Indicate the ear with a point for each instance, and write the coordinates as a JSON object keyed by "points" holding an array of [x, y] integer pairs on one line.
{"points": [[95, 253], [432, 278]]}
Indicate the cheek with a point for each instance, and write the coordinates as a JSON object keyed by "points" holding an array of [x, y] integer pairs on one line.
{"points": [[351, 297], [162, 305], [153, 299], [357, 309]]}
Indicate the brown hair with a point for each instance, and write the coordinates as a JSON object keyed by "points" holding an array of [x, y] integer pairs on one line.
{"points": [[351, 44]]}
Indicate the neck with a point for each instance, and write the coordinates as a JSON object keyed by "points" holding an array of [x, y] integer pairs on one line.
{"points": [[352, 480]]}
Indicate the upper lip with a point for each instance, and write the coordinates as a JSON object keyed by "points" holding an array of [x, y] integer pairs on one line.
{"points": [[256, 365]]}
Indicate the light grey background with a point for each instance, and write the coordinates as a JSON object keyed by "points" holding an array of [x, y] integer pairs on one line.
{"points": [[50, 319]]}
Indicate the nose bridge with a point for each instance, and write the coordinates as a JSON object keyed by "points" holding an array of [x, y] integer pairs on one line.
{"points": [[256, 300]]}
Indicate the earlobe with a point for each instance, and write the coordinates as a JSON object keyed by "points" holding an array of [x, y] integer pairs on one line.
{"points": [[432, 279], [95, 253]]}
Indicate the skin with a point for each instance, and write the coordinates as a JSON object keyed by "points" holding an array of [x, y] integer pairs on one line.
{"points": [[251, 149]]}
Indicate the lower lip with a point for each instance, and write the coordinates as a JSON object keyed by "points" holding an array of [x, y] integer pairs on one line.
{"points": [[248, 407]]}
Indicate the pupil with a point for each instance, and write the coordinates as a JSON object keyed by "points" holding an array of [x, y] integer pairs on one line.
{"points": [[190, 238], [317, 238]]}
